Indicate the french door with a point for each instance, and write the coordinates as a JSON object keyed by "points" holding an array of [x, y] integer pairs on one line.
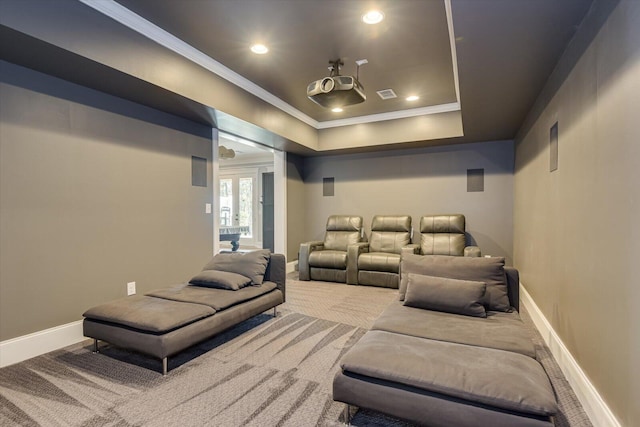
{"points": [[238, 205]]}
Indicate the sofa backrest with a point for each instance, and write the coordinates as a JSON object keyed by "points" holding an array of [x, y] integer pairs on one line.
{"points": [[513, 286], [442, 235], [342, 231], [390, 233], [277, 272]]}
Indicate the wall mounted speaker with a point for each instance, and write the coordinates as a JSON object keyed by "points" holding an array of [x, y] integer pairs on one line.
{"points": [[198, 171], [475, 180], [553, 147], [327, 187]]}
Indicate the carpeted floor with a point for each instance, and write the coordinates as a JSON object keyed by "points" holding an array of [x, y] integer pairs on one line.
{"points": [[264, 372]]}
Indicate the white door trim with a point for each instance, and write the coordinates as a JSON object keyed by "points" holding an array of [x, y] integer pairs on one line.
{"points": [[280, 202]]}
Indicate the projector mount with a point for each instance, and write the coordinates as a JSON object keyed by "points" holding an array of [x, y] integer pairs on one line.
{"points": [[337, 91], [336, 64], [334, 69]]}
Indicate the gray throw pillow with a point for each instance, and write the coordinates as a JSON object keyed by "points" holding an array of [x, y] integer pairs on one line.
{"points": [[249, 264], [448, 295], [220, 280], [487, 270]]}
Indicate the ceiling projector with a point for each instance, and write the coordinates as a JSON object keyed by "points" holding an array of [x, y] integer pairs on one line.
{"points": [[336, 90]]}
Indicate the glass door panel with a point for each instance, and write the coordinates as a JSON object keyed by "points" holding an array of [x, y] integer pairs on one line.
{"points": [[226, 202], [245, 205], [238, 205]]}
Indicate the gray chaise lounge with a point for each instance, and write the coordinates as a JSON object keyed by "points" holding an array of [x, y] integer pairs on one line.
{"points": [[167, 321], [438, 368]]}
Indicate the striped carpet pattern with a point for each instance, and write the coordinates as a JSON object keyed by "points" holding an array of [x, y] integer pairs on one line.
{"points": [[265, 372]]}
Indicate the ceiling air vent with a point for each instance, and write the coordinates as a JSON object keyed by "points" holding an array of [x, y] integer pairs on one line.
{"points": [[387, 94]]}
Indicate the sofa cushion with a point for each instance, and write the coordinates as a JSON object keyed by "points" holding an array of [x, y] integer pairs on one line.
{"points": [[149, 314], [499, 330], [379, 261], [448, 295], [497, 378], [218, 299], [487, 270], [220, 280], [442, 244], [249, 264], [378, 278], [328, 259]]}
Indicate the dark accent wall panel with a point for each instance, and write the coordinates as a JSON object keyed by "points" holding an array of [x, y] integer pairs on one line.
{"points": [[416, 182]]}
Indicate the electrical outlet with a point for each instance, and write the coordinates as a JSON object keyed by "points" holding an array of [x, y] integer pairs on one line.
{"points": [[131, 288], [207, 208]]}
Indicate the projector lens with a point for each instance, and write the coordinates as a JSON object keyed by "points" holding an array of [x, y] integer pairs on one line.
{"points": [[327, 84]]}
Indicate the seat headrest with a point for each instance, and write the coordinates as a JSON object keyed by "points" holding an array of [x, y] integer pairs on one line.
{"points": [[344, 223], [442, 224], [398, 223]]}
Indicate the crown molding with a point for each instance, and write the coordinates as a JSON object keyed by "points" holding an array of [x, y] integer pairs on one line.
{"points": [[452, 44], [121, 14], [135, 22], [392, 115]]}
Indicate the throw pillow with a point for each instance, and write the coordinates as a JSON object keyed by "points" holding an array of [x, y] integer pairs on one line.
{"points": [[220, 280], [487, 270], [448, 295], [249, 264]]}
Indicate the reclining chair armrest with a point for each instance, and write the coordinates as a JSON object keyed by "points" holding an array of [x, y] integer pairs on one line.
{"points": [[412, 249], [353, 252], [472, 251], [303, 257]]}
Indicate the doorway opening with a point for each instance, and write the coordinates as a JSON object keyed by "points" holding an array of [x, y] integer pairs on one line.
{"points": [[245, 194]]}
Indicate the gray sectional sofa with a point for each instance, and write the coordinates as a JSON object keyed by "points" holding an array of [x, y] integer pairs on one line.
{"points": [[452, 352], [230, 289]]}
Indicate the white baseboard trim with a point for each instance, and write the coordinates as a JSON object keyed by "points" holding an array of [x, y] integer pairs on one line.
{"points": [[27, 346], [292, 266], [595, 407]]}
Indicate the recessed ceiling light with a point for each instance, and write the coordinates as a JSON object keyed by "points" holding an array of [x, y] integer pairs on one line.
{"points": [[337, 110], [373, 17], [260, 49], [413, 98]]}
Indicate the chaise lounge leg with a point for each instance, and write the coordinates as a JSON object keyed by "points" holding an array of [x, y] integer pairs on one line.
{"points": [[95, 345], [275, 312], [347, 414], [164, 366]]}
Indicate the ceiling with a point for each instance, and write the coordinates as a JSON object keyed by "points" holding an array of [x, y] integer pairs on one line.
{"points": [[503, 51]]}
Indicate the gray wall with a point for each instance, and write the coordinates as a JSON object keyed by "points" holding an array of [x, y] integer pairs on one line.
{"points": [[576, 231], [296, 205], [418, 182], [95, 192]]}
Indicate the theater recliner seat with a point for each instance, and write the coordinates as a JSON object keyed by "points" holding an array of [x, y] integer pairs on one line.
{"points": [[333, 259], [381, 264], [443, 235]]}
